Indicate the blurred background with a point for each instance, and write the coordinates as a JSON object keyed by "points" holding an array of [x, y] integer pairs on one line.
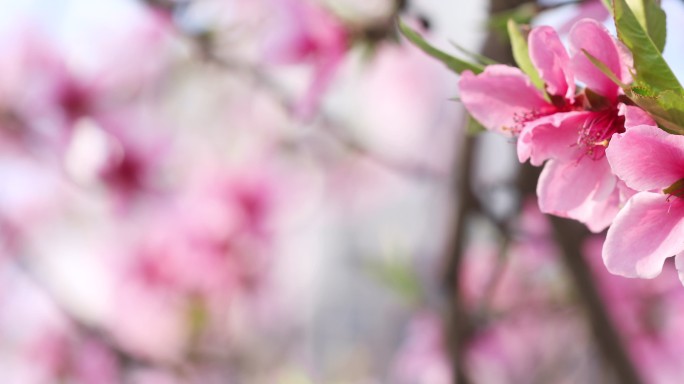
{"points": [[287, 191]]}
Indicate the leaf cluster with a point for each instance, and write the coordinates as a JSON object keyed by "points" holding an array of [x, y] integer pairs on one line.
{"points": [[641, 26]]}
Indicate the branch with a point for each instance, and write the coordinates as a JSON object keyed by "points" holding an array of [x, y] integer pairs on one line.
{"points": [[459, 320], [336, 129], [570, 236]]}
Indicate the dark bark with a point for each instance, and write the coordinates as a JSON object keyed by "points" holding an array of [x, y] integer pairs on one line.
{"points": [[570, 235], [460, 326]]}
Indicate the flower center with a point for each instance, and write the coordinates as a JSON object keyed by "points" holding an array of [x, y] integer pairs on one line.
{"points": [[595, 133], [676, 189]]}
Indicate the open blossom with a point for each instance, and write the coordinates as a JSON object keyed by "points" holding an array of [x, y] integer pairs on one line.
{"points": [[650, 228], [567, 130]]}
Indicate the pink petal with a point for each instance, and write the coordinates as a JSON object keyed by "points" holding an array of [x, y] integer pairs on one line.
{"points": [[679, 263], [552, 61], [500, 95], [593, 37], [582, 189], [592, 9], [626, 192], [634, 116], [648, 230], [647, 158], [324, 72], [597, 213], [550, 137]]}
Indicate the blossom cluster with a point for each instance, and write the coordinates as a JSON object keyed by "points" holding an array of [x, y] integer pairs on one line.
{"points": [[609, 159]]}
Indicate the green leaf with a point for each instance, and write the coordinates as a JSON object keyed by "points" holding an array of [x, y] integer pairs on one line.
{"points": [[474, 127], [455, 64], [398, 276], [484, 60], [604, 69], [197, 317], [666, 107], [521, 54], [649, 64], [652, 19]]}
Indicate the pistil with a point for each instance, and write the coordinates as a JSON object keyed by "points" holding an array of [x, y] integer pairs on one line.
{"points": [[676, 189]]}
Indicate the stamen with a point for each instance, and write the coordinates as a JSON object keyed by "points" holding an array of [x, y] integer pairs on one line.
{"points": [[596, 132], [521, 118]]}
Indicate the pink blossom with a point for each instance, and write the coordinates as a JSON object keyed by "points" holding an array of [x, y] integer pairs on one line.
{"points": [[567, 130], [529, 347], [60, 356], [422, 358], [649, 315], [39, 94], [131, 159], [193, 261], [307, 33], [137, 309], [592, 9], [527, 275], [650, 227], [47, 86], [151, 376]]}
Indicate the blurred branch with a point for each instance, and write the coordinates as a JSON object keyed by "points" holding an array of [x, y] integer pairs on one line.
{"points": [[460, 326], [460, 322], [570, 235], [497, 274], [335, 129]]}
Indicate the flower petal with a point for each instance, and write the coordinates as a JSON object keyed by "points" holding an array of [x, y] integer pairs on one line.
{"points": [[583, 189], [647, 158], [551, 137], [597, 214], [500, 96], [324, 73], [552, 61], [679, 263], [648, 230], [593, 37], [634, 116]]}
